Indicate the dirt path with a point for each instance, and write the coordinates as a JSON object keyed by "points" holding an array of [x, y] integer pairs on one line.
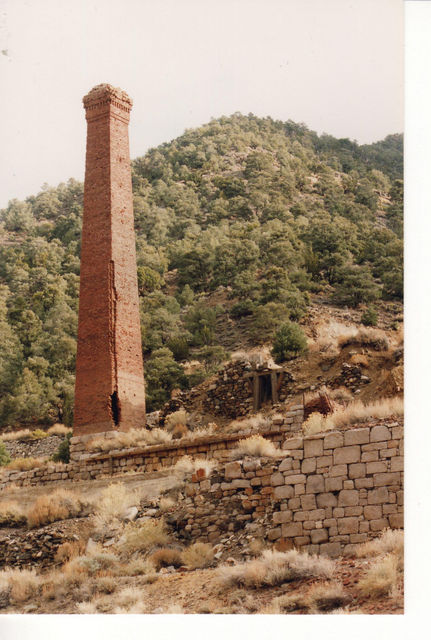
{"points": [[149, 486]]}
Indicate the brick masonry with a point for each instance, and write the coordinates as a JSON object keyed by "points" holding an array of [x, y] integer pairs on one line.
{"points": [[109, 392]]}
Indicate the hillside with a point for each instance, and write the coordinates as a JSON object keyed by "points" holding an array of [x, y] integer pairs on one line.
{"points": [[241, 224]]}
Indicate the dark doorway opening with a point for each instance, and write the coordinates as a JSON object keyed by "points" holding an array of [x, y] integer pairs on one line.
{"points": [[265, 390], [115, 408]]}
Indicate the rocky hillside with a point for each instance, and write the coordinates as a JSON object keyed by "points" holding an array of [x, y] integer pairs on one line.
{"points": [[242, 225]]}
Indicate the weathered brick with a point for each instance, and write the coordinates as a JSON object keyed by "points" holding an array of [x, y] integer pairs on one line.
{"points": [[377, 467], [348, 497], [348, 525], [373, 512], [280, 493], [386, 479], [346, 455], [274, 534], [295, 478], [292, 443], [378, 496], [292, 529], [333, 440], [277, 479], [286, 464], [369, 456], [338, 470], [232, 470], [361, 483], [313, 448], [308, 465], [280, 517], [333, 484], [331, 549], [379, 524], [318, 536], [308, 502], [397, 463], [357, 436], [326, 499], [357, 470], [315, 484], [396, 520], [380, 433]]}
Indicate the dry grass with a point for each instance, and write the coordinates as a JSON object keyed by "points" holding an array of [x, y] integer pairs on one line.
{"points": [[142, 536], [111, 504], [274, 568], [186, 465], [166, 558], [69, 550], [327, 596], [179, 417], [354, 413], [59, 505], [253, 423], [22, 584], [198, 556], [390, 541], [25, 464], [286, 603], [59, 430], [365, 336], [257, 446], [166, 504], [381, 578], [23, 434], [92, 563], [11, 513]]}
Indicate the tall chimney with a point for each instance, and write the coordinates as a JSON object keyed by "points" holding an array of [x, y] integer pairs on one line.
{"points": [[109, 389]]}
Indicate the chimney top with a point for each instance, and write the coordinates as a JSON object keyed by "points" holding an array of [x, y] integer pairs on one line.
{"points": [[106, 93]]}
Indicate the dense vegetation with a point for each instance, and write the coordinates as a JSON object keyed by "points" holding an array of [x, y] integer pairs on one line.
{"points": [[266, 209]]}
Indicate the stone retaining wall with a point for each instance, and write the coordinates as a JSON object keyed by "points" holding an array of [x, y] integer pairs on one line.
{"points": [[330, 493], [85, 465]]}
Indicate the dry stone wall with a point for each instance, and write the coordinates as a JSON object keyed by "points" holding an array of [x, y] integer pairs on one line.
{"points": [[85, 465], [330, 493]]}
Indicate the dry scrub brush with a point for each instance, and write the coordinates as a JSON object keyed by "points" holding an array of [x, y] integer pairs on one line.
{"points": [[386, 574], [26, 464], [198, 556], [111, 505], [142, 536], [11, 514], [59, 430], [253, 423], [59, 505], [327, 596], [186, 465], [20, 584], [256, 446], [354, 413], [274, 568]]}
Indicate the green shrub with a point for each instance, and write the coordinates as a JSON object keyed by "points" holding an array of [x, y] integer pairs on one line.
{"points": [[63, 452], [179, 347], [370, 317], [242, 308], [289, 342], [38, 434], [4, 454]]}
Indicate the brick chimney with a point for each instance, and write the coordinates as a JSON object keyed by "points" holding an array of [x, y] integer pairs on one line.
{"points": [[109, 390]]}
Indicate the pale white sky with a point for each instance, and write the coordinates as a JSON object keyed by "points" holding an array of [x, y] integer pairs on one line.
{"points": [[336, 65]]}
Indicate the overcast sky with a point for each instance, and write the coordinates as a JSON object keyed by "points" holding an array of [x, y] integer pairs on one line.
{"points": [[336, 65]]}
